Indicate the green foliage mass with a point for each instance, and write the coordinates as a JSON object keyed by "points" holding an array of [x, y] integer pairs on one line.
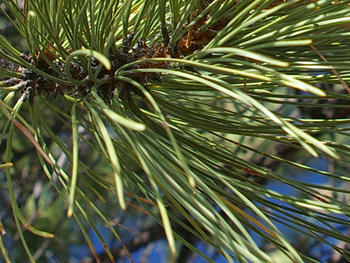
{"points": [[178, 110]]}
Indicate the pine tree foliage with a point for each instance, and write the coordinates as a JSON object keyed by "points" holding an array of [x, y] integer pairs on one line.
{"points": [[189, 108]]}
